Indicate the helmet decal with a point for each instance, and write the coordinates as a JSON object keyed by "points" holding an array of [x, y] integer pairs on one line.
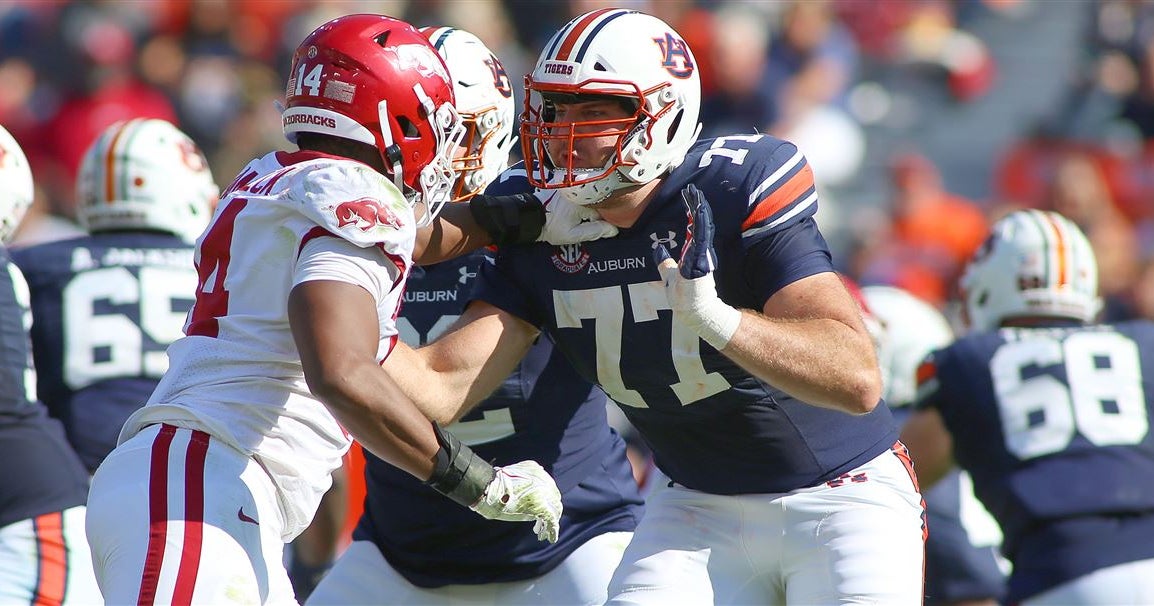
{"points": [[677, 60]]}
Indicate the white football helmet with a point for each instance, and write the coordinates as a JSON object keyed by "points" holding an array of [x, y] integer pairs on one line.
{"points": [[1035, 263], [145, 174], [485, 103], [15, 185], [622, 53], [912, 328]]}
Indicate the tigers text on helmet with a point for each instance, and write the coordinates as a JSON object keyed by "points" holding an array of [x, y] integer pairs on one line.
{"points": [[377, 80], [1035, 263], [911, 328], [145, 174], [485, 103], [16, 190], [622, 53]]}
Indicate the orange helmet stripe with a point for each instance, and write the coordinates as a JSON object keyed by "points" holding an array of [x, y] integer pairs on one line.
{"points": [[575, 33]]}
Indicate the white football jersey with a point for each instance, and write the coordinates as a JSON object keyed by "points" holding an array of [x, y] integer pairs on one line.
{"points": [[288, 218]]}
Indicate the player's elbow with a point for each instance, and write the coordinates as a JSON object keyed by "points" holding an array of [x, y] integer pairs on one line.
{"points": [[332, 385], [865, 391]]}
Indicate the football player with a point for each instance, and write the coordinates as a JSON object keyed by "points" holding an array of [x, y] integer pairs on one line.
{"points": [[107, 305], [1049, 413], [412, 546], [44, 556], [962, 566], [300, 275], [746, 367]]}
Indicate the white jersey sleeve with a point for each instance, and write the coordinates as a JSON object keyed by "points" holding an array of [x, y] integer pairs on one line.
{"points": [[355, 203]]}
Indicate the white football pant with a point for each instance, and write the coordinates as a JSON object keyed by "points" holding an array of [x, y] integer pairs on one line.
{"points": [[1129, 583], [363, 576], [857, 539], [177, 517], [45, 560]]}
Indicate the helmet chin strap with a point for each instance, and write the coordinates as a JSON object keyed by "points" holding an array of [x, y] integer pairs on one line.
{"points": [[597, 191]]}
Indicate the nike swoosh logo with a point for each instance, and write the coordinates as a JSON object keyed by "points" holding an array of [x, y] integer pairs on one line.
{"points": [[244, 518]]}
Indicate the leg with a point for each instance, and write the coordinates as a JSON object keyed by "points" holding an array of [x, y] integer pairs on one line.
{"points": [[46, 560], [582, 579], [858, 539], [175, 516], [685, 544]]}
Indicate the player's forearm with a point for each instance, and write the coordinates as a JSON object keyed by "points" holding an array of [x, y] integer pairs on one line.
{"points": [[822, 362], [453, 234], [497, 220], [443, 395], [930, 444], [377, 413]]}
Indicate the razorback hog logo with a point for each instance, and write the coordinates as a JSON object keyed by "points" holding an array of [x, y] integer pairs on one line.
{"points": [[676, 59], [366, 214]]}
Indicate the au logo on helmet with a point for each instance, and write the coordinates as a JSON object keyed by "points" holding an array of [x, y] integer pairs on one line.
{"points": [[677, 60]]}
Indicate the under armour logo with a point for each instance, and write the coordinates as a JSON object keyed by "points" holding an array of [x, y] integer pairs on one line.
{"points": [[668, 241], [466, 274]]}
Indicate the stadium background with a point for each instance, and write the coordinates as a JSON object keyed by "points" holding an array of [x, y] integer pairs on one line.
{"points": [[924, 120]]}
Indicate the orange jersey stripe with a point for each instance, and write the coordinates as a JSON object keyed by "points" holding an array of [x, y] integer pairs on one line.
{"points": [[52, 573], [575, 33], [1060, 253], [781, 197]]}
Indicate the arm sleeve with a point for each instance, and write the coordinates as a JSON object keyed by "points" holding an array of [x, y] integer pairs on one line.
{"points": [[497, 286], [780, 258], [331, 258]]}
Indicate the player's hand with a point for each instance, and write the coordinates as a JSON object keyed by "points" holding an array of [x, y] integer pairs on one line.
{"points": [[521, 492], [568, 223], [689, 284]]}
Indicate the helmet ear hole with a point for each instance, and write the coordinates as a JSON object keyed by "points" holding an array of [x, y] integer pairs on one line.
{"points": [[674, 126], [408, 127]]}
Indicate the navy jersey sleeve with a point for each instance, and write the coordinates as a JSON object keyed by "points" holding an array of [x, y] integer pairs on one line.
{"points": [[497, 286], [780, 258], [496, 283], [762, 193]]}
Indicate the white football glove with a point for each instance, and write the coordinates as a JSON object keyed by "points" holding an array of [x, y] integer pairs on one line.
{"points": [[520, 492], [567, 223], [689, 285]]}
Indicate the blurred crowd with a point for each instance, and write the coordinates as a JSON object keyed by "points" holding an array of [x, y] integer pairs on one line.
{"points": [[841, 78]]}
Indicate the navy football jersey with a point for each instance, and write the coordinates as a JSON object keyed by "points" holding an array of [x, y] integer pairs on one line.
{"points": [[106, 307], [39, 472], [1053, 425], [712, 426], [544, 412]]}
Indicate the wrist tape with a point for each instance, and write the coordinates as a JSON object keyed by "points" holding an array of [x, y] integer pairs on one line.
{"points": [[459, 473]]}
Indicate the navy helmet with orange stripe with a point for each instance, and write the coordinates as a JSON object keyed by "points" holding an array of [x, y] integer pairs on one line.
{"points": [[15, 185], [1035, 264], [145, 174], [633, 57]]}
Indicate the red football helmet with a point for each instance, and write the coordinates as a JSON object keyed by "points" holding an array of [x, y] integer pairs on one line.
{"points": [[377, 80]]}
